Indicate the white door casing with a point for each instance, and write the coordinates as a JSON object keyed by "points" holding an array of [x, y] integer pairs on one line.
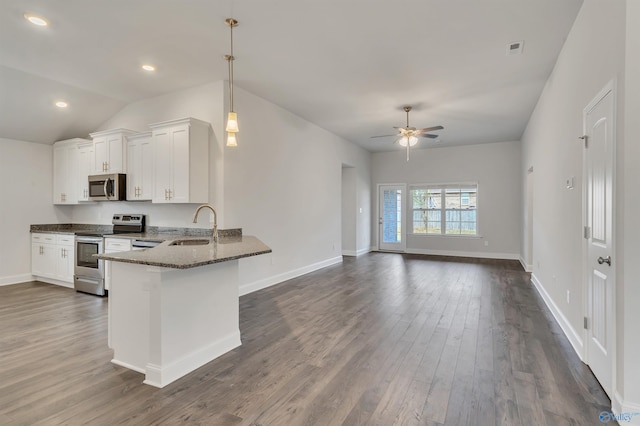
{"points": [[599, 258], [391, 217]]}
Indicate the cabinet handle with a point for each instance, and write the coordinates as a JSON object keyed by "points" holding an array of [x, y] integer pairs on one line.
{"points": [[41, 250]]}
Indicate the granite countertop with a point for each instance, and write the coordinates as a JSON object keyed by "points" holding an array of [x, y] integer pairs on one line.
{"points": [[191, 256], [152, 232], [231, 245]]}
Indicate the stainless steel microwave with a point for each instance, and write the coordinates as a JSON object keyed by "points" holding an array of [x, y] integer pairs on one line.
{"points": [[111, 187]]}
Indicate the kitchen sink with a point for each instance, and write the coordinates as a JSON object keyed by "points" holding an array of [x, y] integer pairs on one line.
{"points": [[192, 242]]}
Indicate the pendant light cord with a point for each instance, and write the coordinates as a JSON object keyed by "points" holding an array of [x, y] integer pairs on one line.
{"points": [[231, 58]]}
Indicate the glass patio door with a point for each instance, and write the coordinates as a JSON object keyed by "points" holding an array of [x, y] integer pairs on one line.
{"points": [[391, 236]]}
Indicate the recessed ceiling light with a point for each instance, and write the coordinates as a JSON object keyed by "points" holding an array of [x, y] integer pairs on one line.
{"points": [[148, 67], [36, 20], [62, 104]]}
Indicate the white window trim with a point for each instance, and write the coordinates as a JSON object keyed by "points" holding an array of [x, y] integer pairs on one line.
{"points": [[410, 209]]}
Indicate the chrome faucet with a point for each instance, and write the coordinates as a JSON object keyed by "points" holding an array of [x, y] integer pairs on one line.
{"points": [[215, 219]]}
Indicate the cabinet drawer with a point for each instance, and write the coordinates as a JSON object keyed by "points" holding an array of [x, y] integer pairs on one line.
{"points": [[65, 239], [117, 244], [43, 238]]}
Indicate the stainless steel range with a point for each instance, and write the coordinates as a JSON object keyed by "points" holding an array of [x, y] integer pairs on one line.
{"points": [[89, 271]]}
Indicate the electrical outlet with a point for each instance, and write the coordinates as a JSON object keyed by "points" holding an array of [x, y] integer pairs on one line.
{"points": [[360, 209], [486, 243], [568, 297]]}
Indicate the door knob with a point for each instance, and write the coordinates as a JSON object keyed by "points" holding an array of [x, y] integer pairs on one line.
{"points": [[606, 260]]}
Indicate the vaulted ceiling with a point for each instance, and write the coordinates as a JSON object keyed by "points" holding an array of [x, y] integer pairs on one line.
{"points": [[346, 65]]}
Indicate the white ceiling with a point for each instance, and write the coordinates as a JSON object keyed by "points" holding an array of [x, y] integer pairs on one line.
{"points": [[347, 65]]}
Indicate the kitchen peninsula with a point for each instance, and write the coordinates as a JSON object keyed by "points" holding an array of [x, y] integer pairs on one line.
{"points": [[175, 307]]}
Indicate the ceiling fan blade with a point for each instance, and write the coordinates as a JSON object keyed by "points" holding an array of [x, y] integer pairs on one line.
{"points": [[429, 129], [384, 136], [427, 135]]}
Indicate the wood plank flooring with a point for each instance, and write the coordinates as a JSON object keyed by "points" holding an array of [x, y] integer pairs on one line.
{"points": [[382, 339]]}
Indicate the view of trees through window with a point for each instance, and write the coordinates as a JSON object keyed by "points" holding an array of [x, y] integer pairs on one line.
{"points": [[445, 209]]}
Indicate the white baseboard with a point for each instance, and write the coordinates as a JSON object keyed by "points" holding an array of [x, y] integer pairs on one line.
{"points": [[363, 251], [527, 268], [625, 411], [276, 279], [127, 365], [16, 279], [161, 376], [569, 331], [356, 252], [53, 281], [477, 254]]}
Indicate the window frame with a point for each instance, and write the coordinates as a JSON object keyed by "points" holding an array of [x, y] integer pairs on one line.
{"points": [[442, 187]]}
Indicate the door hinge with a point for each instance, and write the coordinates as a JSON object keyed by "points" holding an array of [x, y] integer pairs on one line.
{"points": [[587, 232], [585, 138], [586, 322]]}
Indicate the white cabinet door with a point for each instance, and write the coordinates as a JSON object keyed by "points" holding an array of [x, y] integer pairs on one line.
{"points": [[163, 165], [64, 263], [181, 161], [86, 167], [43, 259], [65, 178], [140, 168], [110, 151], [65, 259], [116, 162], [113, 245], [101, 152], [180, 169]]}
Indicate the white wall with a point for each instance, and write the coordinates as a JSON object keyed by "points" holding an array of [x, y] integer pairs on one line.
{"points": [[593, 55], [496, 169], [283, 183], [26, 172], [349, 211]]}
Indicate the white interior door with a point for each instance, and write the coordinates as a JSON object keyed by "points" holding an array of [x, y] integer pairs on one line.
{"points": [[391, 235], [599, 123]]}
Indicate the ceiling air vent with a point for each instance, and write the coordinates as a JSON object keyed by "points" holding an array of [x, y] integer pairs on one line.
{"points": [[515, 48]]}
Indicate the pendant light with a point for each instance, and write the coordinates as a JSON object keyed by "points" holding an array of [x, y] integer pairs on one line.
{"points": [[232, 118]]}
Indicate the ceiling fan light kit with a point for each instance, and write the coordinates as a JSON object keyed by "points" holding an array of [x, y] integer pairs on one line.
{"points": [[408, 136], [232, 118]]}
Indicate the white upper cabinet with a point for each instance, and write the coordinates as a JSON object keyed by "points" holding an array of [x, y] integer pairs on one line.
{"points": [[110, 147], [86, 161], [181, 161], [65, 171], [140, 167]]}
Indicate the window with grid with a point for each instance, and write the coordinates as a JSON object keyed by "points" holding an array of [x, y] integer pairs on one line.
{"points": [[445, 209]]}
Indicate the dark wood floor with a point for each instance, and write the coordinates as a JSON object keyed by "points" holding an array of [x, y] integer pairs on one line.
{"points": [[382, 339]]}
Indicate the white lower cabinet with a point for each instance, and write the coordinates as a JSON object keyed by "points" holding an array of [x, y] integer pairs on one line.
{"points": [[65, 254], [52, 258], [113, 245]]}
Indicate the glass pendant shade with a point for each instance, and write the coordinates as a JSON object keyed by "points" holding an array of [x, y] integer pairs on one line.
{"points": [[232, 122], [408, 140], [231, 139]]}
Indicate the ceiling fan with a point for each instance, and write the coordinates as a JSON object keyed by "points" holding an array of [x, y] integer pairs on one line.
{"points": [[408, 136]]}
